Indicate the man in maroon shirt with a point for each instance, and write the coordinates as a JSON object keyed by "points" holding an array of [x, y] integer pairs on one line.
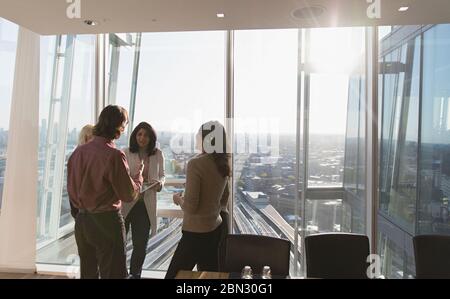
{"points": [[98, 181]]}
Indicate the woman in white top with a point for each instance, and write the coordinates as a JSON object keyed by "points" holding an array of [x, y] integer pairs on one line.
{"points": [[141, 213]]}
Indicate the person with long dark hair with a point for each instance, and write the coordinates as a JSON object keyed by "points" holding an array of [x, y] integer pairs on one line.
{"points": [[98, 181], [206, 196], [140, 215]]}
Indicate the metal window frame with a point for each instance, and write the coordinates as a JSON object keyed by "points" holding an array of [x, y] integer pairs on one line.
{"points": [[372, 142], [419, 133], [305, 155], [134, 81], [229, 113], [113, 72], [297, 154], [100, 74]]}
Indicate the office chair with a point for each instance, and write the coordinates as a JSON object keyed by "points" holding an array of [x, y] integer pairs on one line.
{"points": [[337, 255], [432, 255], [256, 251]]}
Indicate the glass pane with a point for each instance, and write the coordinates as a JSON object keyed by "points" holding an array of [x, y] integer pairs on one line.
{"points": [[68, 61], [383, 31], [400, 142], [329, 96], [80, 108], [361, 165], [434, 208], [325, 216], [337, 131], [327, 129], [399, 85], [181, 85], [351, 146], [8, 44], [265, 133], [354, 166], [120, 74], [390, 81], [46, 153], [396, 261]]}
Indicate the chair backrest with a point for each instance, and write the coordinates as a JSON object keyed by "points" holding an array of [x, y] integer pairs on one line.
{"points": [[337, 255], [256, 251], [432, 256]]}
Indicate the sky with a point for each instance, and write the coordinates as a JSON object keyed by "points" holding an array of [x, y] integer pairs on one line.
{"points": [[8, 40], [182, 79]]}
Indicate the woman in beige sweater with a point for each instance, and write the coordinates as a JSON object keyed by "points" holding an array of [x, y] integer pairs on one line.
{"points": [[206, 195]]}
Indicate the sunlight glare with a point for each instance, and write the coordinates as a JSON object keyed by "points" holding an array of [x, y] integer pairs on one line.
{"points": [[335, 50]]}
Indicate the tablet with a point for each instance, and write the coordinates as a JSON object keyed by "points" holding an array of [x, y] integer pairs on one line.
{"points": [[147, 186]]}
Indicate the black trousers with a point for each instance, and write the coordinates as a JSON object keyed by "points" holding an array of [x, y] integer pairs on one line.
{"points": [[140, 231], [199, 249], [223, 238], [101, 245]]}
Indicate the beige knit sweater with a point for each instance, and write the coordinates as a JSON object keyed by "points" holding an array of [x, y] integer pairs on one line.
{"points": [[206, 194]]}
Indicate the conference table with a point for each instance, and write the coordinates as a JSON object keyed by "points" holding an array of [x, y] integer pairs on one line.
{"points": [[183, 274]]}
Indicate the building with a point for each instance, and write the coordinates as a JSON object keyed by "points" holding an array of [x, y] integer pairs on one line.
{"points": [[256, 198]]}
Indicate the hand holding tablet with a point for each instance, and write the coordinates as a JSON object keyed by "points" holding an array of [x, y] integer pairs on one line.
{"points": [[147, 186]]}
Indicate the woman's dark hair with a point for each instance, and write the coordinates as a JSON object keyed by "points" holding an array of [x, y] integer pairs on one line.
{"points": [[109, 122], [151, 147], [214, 143]]}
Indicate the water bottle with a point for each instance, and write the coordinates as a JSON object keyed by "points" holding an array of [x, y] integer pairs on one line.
{"points": [[266, 273], [247, 273]]}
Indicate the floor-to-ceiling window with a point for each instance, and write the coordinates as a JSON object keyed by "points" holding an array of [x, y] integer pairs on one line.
{"points": [[336, 153], [433, 205], [400, 69], [414, 94], [355, 162], [181, 85], [399, 133], [272, 70], [265, 111], [8, 44], [66, 106], [177, 81]]}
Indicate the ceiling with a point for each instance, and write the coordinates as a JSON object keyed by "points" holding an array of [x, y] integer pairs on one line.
{"points": [[49, 16]]}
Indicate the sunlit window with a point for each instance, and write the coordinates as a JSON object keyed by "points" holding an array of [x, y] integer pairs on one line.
{"points": [[8, 44]]}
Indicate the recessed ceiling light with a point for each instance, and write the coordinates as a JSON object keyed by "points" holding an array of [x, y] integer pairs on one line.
{"points": [[220, 15], [90, 22], [403, 8]]}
